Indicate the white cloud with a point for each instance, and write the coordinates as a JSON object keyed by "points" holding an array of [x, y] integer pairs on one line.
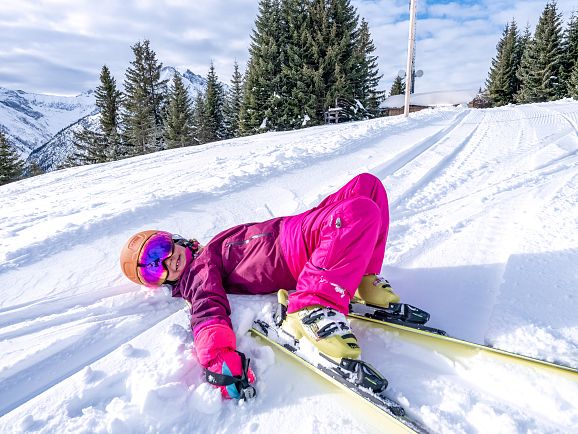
{"points": [[455, 40], [59, 46]]}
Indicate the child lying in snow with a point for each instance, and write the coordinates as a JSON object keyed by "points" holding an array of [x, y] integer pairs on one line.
{"points": [[328, 254]]}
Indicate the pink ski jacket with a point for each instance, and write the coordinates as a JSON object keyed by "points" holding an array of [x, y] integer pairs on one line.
{"points": [[322, 253]]}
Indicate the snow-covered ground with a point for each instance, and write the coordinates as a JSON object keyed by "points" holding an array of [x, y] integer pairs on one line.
{"points": [[484, 235]]}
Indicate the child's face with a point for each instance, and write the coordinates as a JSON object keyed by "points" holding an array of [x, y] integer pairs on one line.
{"points": [[176, 263]]}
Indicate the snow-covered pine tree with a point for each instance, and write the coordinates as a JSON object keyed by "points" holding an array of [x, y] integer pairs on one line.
{"points": [[572, 87], [261, 93], [570, 53], [90, 146], [502, 83], [33, 169], [213, 127], [541, 64], [297, 75], [305, 57], [144, 101], [233, 102], [179, 128], [336, 35], [108, 101], [11, 166], [365, 87], [398, 86], [199, 116]]}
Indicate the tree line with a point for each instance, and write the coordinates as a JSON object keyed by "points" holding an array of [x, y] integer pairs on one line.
{"points": [[535, 68], [305, 56]]}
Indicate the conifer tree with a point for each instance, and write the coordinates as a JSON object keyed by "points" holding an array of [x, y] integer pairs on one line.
{"points": [[108, 101], [541, 64], [305, 57], [144, 101], [261, 94], [11, 167], [365, 87], [33, 169], [503, 83], [179, 127], [213, 118], [199, 117], [89, 148], [398, 87], [103, 145], [339, 63], [570, 52], [572, 87], [233, 102], [297, 75], [524, 41]]}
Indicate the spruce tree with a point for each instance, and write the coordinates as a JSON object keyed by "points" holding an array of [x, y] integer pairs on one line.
{"points": [[89, 148], [144, 101], [11, 167], [541, 64], [261, 94], [305, 57], [199, 125], [179, 128], [398, 87], [213, 117], [339, 65], [570, 53], [297, 75], [108, 101], [233, 102], [33, 169], [365, 87], [502, 82], [572, 87]]}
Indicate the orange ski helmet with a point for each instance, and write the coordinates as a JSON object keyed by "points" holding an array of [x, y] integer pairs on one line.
{"points": [[142, 257], [129, 256]]}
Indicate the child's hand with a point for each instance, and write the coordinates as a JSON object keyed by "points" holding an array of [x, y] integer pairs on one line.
{"points": [[236, 375], [225, 367]]}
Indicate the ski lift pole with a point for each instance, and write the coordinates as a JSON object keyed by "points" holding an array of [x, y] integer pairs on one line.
{"points": [[410, 48]]}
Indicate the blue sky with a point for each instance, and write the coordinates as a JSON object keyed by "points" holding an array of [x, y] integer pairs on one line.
{"points": [[59, 46]]}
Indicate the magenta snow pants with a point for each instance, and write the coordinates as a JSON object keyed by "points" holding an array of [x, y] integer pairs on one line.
{"points": [[332, 246]]}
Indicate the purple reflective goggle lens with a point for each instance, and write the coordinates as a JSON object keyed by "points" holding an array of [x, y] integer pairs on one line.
{"points": [[150, 268]]}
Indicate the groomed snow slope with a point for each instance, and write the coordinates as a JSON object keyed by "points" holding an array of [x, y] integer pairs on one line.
{"points": [[484, 235]]}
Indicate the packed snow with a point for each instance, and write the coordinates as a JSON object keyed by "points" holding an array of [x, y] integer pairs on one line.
{"points": [[431, 99], [483, 235]]}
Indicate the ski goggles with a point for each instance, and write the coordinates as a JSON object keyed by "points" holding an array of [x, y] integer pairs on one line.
{"points": [[151, 269]]}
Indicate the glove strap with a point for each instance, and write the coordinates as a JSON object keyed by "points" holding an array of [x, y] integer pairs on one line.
{"points": [[246, 391]]}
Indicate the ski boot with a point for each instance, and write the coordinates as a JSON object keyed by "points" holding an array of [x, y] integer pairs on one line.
{"points": [[375, 290], [327, 329]]}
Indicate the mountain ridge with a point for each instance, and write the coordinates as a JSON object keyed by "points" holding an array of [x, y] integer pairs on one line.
{"points": [[39, 126]]}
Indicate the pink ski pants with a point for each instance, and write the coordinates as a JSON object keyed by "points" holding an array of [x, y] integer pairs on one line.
{"points": [[332, 246]]}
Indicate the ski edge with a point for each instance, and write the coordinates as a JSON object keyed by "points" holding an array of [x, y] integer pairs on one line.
{"points": [[464, 346], [394, 424]]}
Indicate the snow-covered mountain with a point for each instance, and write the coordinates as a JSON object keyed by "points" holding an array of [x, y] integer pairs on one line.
{"points": [[54, 153], [40, 126], [483, 235], [194, 82], [30, 120]]}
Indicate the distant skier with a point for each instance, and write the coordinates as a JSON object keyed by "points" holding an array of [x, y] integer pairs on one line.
{"points": [[329, 255]]}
